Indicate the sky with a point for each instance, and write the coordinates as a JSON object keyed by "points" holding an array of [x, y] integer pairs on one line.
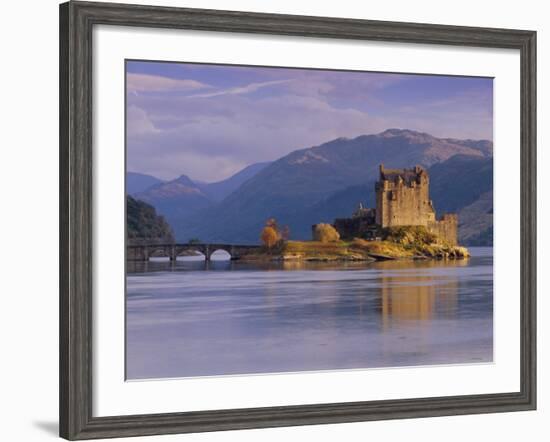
{"points": [[210, 121]]}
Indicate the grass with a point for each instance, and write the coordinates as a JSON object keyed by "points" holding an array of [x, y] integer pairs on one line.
{"points": [[317, 250], [383, 248]]}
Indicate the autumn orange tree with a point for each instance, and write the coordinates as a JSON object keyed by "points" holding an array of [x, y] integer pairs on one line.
{"points": [[272, 234], [269, 236]]}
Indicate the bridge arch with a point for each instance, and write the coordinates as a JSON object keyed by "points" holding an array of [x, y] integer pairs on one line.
{"points": [[226, 252], [183, 250], [158, 252]]}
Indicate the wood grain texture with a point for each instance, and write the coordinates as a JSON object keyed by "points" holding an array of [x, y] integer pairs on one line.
{"points": [[76, 22]]}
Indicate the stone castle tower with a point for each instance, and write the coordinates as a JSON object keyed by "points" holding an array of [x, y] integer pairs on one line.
{"points": [[403, 199]]}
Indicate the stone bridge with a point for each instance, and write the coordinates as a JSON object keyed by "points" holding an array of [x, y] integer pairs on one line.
{"points": [[144, 251]]}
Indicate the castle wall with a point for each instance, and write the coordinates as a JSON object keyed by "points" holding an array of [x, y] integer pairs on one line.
{"points": [[403, 204], [350, 228], [446, 228]]}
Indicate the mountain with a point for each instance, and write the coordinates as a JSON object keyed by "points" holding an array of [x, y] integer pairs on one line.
{"points": [[138, 182], [475, 222], [484, 146], [182, 197], [459, 182], [219, 190], [176, 199], [464, 185], [142, 221], [303, 185]]}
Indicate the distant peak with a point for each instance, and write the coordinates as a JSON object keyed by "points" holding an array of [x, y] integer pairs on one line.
{"points": [[184, 179]]}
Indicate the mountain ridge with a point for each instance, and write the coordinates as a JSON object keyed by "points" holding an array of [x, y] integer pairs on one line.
{"points": [[138, 182], [218, 190]]}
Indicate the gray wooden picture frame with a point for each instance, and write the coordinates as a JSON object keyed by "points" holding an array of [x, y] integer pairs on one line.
{"points": [[77, 20]]}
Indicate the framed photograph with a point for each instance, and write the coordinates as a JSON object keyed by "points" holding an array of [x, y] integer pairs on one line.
{"points": [[272, 220]]}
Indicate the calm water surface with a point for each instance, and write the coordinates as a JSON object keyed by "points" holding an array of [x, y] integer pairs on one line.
{"points": [[196, 319]]}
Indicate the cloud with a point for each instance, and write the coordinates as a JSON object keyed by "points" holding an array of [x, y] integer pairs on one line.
{"points": [[139, 123], [235, 131], [252, 87], [156, 83]]}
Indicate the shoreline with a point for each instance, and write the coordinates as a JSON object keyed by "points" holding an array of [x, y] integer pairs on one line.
{"points": [[356, 251]]}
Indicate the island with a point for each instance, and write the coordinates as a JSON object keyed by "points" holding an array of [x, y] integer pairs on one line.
{"points": [[402, 226]]}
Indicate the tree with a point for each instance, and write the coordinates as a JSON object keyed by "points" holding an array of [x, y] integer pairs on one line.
{"points": [[269, 236], [325, 233], [272, 234], [143, 222]]}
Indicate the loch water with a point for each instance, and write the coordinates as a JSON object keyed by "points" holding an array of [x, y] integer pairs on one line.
{"points": [[197, 318]]}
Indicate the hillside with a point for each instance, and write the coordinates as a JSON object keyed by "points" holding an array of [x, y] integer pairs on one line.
{"points": [[464, 185], [219, 190], [476, 221], [142, 221], [459, 182]]}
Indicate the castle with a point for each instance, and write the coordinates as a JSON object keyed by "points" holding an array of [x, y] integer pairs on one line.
{"points": [[402, 199]]}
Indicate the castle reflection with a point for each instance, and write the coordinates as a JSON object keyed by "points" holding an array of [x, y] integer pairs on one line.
{"points": [[411, 294]]}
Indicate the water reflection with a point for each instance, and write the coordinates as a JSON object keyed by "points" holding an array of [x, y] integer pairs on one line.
{"points": [[221, 262], [197, 318], [414, 294]]}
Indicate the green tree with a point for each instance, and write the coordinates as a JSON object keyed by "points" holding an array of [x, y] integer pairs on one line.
{"points": [[142, 222]]}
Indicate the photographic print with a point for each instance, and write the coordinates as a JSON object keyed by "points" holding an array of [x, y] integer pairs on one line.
{"points": [[295, 220]]}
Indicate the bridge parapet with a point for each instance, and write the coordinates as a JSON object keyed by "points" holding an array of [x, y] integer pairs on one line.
{"points": [[143, 251], [149, 241]]}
